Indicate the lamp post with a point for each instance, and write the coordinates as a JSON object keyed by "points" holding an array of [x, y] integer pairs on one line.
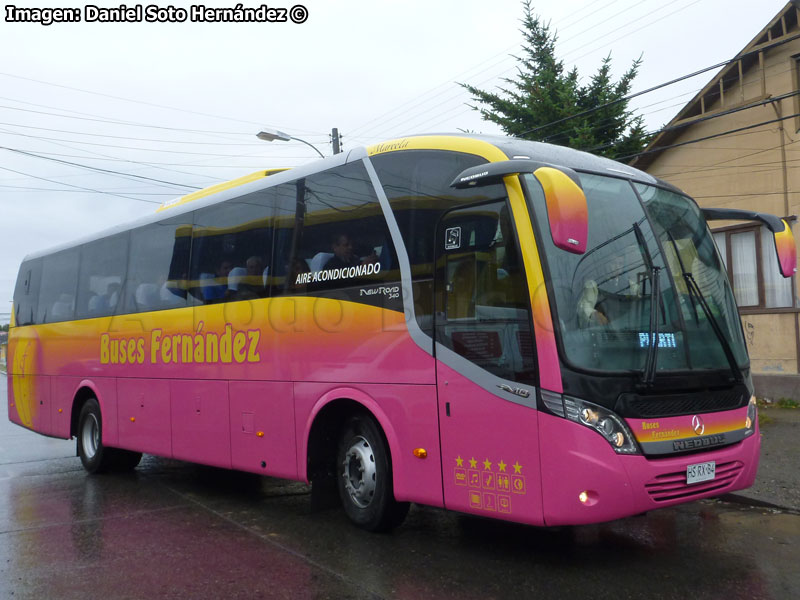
{"points": [[270, 135]]}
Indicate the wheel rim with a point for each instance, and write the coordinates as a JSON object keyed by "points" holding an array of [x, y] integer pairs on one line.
{"points": [[90, 436], [359, 472]]}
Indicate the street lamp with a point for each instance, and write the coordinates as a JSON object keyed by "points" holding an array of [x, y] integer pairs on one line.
{"points": [[270, 135]]}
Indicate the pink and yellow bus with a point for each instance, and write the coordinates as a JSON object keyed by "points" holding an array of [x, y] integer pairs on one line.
{"points": [[489, 325]]}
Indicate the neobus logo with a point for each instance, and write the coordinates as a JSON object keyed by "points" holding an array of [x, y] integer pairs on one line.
{"points": [[711, 440]]}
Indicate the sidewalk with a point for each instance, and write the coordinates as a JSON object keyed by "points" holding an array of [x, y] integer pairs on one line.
{"points": [[778, 480]]}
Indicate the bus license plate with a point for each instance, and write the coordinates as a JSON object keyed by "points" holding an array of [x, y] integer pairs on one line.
{"points": [[701, 472]]}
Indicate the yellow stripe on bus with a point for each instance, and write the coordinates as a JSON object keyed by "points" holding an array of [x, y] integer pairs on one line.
{"points": [[220, 187], [441, 142]]}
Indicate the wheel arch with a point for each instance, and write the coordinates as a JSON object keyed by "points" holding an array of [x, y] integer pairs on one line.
{"points": [[317, 452], [84, 391]]}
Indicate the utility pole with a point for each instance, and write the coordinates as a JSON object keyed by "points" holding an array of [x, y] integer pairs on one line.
{"points": [[336, 140]]}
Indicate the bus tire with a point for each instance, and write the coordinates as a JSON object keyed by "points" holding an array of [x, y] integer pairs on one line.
{"points": [[95, 457], [123, 460], [365, 476]]}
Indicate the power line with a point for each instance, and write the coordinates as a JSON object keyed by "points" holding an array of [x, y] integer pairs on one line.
{"points": [[103, 157], [143, 102], [659, 86], [127, 137], [436, 117], [38, 137], [361, 128], [80, 187], [702, 119], [708, 137], [98, 169], [593, 27], [631, 32], [127, 123], [107, 157], [20, 189]]}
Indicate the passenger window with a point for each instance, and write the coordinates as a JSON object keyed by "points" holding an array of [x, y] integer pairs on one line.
{"points": [[417, 184], [158, 266], [232, 249], [331, 233], [102, 273], [26, 292], [58, 286], [483, 308]]}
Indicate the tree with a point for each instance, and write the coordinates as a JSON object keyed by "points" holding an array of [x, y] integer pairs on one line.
{"points": [[543, 94]]}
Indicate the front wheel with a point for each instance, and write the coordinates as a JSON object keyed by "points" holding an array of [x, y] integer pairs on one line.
{"points": [[95, 457], [365, 476]]}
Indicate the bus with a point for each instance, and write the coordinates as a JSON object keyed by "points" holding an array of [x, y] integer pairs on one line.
{"points": [[485, 324]]}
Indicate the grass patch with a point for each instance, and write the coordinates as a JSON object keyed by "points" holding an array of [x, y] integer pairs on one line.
{"points": [[787, 403]]}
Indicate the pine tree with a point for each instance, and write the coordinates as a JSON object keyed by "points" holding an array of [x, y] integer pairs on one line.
{"points": [[543, 93]]}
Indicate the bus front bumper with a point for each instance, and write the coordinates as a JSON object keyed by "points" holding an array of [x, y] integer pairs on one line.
{"points": [[585, 481]]}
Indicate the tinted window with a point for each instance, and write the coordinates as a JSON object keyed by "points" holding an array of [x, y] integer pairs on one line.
{"points": [[26, 292], [232, 249], [482, 296], [102, 273], [58, 287], [158, 265], [331, 233], [417, 183]]}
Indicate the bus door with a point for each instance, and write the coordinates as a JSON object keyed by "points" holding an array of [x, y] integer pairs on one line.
{"points": [[485, 367]]}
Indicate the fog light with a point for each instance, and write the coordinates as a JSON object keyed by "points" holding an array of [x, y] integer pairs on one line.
{"points": [[583, 497]]}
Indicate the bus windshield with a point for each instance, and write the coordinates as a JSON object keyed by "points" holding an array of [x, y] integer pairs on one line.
{"points": [[604, 298]]}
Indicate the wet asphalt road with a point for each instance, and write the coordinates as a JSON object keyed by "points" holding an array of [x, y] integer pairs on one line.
{"points": [[175, 530]]}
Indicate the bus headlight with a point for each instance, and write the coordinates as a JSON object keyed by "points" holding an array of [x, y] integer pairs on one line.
{"points": [[603, 421], [752, 415]]}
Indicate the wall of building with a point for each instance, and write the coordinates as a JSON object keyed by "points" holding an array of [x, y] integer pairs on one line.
{"points": [[756, 169]]}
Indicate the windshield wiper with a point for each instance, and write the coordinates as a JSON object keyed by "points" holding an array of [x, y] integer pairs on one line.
{"points": [[651, 361], [696, 295]]}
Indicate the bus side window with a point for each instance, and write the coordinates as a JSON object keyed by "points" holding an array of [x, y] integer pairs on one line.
{"points": [[58, 287], [157, 267], [331, 233], [483, 311], [417, 185], [26, 292], [102, 272], [232, 249]]}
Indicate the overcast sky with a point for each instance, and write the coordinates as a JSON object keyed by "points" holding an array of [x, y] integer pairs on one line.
{"points": [[181, 102]]}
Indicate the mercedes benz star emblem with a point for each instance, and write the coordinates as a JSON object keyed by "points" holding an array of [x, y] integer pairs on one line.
{"points": [[697, 425]]}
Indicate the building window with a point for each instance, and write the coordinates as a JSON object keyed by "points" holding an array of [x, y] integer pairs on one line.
{"points": [[749, 257]]}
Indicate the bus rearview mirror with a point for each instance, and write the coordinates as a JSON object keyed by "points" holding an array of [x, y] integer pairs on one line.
{"points": [[787, 250], [785, 246], [567, 211]]}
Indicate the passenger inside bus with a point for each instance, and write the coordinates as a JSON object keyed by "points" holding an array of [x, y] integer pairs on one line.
{"points": [[344, 253], [214, 285]]}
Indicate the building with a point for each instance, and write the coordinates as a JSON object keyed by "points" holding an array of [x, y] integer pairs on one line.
{"points": [[736, 144]]}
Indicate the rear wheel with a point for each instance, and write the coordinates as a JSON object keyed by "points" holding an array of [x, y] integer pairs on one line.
{"points": [[365, 476], [95, 457]]}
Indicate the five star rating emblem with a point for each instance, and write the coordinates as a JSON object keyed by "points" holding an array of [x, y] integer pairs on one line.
{"points": [[492, 488]]}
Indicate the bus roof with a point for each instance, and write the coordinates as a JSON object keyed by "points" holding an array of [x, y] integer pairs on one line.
{"points": [[492, 147], [219, 187]]}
